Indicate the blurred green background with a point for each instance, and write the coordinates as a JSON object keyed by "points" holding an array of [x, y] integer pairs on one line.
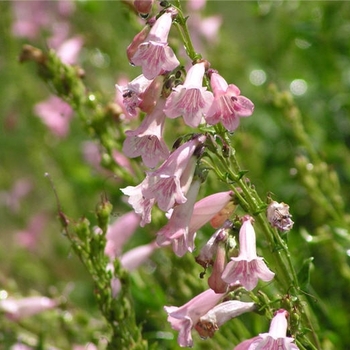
{"points": [[301, 46]]}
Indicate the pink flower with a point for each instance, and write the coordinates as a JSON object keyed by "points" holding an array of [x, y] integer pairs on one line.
{"points": [[69, 50], [207, 253], [208, 207], [154, 55], [247, 268], [56, 114], [131, 260], [16, 309], [135, 257], [28, 238], [119, 233], [133, 93], [176, 231], [220, 314], [191, 100], [165, 184], [12, 198], [142, 206], [228, 105], [147, 140], [184, 318], [275, 339]]}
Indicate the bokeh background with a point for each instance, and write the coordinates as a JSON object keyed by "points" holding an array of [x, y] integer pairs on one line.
{"points": [[299, 46]]}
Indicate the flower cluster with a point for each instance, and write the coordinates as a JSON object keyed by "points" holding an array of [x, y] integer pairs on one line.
{"points": [[203, 99]]}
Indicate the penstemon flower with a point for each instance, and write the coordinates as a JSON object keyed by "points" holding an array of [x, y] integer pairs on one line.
{"points": [[275, 339], [220, 314], [184, 318], [147, 140], [16, 309], [191, 100], [228, 105], [247, 268], [176, 231], [119, 232], [154, 55], [133, 93], [165, 185]]}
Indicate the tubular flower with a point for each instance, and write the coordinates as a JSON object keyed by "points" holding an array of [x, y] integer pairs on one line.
{"points": [[220, 314], [209, 250], [165, 185], [16, 309], [228, 105], [177, 229], [147, 140], [191, 100], [141, 205], [247, 268], [154, 55], [119, 233], [133, 93], [184, 318], [130, 261], [275, 339], [56, 114], [208, 207]]}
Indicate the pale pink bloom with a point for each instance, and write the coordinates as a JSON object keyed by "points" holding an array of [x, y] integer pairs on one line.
{"points": [[276, 338], [191, 100], [196, 5], [131, 260], [142, 206], [92, 154], [134, 258], [133, 92], [247, 268], [207, 253], [220, 314], [143, 6], [16, 309], [166, 184], [176, 231], [228, 105], [207, 208], [55, 114], [139, 38], [30, 17], [122, 161], [154, 55], [147, 140], [69, 50], [28, 238], [184, 318], [119, 232], [13, 197]]}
